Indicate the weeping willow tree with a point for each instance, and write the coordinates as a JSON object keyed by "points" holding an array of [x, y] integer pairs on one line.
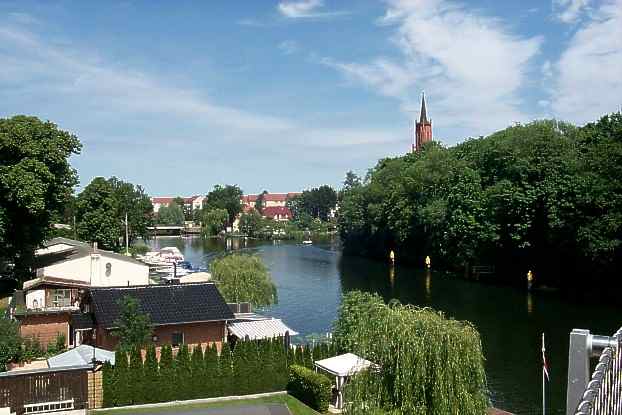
{"points": [[427, 364]]}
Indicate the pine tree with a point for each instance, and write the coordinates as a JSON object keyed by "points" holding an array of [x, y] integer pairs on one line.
{"points": [[225, 370], [136, 376], [240, 365], [183, 374], [122, 379], [211, 379], [307, 361], [167, 375], [198, 378], [282, 356], [109, 394], [265, 356], [151, 380]]}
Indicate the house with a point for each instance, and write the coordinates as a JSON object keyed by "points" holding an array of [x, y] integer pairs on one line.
{"points": [[269, 199], [190, 202], [66, 259], [278, 213], [193, 314], [49, 305]]}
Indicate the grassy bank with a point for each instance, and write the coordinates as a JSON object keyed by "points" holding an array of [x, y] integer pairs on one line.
{"points": [[295, 406]]}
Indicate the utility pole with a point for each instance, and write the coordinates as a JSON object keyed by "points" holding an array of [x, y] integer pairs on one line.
{"points": [[127, 247]]}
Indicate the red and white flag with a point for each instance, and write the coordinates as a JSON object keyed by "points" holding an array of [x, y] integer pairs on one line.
{"points": [[545, 366]]}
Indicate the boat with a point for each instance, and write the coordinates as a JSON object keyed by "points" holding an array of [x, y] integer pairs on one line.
{"points": [[307, 242], [165, 256]]}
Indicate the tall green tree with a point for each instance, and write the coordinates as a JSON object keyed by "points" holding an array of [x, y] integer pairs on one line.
{"points": [[183, 374], [36, 181], [260, 202], [133, 327], [167, 389], [318, 202], [198, 372], [151, 381], [10, 342], [225, 371], [211, 380], [122, 379], [250, 223], [171, 214], [214, 221], [136, 378], [244, 278], [226, 197], [136, 203]]}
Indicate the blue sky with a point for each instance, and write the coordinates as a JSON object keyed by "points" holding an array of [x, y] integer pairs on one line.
{"points": [[285, 95]]}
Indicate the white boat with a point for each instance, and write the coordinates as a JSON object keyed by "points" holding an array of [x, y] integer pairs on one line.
{"points": [[165, 256], [307, 242]]}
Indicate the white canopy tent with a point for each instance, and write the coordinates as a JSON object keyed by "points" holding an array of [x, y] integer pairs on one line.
{"points": [[342, 367]]}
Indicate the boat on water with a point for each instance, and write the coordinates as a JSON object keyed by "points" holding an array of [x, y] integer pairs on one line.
{"points": [[307, 242], [165, 256]]}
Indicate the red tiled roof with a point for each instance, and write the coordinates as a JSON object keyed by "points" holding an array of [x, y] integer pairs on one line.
{"points": [[270, 197], [272, 211]]}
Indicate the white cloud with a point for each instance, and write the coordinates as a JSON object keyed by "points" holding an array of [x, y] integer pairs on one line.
{"points": [[588, 82], [471, 65], [289, 47], [306, 9], [569, 11]]}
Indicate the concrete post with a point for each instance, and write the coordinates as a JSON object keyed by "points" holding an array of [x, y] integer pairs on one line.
{"points": [[578, 368]]}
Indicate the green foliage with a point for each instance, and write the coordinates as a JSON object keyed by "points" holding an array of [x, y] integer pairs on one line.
{"points": [[315, 203], [427, 364], [136, 378], [244, 278], [183, 374], [313, 389], [57, 346], [31, 349], [242, 370], [100, 211], [198, 372], [538, 196], [172, 214], [109, 392], [121, 380], [227, 197], [214, 221], [151, 381], [211, 379], [225, 371], [10, 342], [250, 223], [36, 180], [167, 390], [133, 326]]}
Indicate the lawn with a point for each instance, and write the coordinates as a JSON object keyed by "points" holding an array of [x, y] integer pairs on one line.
{"points": [[295, 406]]}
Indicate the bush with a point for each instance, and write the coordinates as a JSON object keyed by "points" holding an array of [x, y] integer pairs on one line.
{"points": [[10, 342], [313, 389]]}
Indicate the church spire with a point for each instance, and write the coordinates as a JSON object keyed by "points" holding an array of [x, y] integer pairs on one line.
{"points": [[424, 116]]}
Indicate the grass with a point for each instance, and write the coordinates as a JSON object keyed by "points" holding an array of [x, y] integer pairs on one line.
{"points": [[295, 406]]}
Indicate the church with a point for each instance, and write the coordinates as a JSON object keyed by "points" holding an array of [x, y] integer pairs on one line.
{"points": [[423, 128]]}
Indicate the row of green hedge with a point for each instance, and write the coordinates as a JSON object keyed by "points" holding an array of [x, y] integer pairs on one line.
{"points": [[314, 389], [251, 367]]}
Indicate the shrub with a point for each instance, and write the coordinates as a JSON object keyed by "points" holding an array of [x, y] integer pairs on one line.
{"points": [[314, 389], [121, 376], [151, 380], [198, 373], [136, 377], [10, 342], [108, 385], [183, 374], [167, 375], [225, 372], [211, 379]]}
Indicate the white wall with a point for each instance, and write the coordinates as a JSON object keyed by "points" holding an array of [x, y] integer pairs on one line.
{"points": [[92, 270], [38, 295]]}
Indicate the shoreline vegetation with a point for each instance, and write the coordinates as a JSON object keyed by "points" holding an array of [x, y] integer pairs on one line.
{"points": [[543, 197]]}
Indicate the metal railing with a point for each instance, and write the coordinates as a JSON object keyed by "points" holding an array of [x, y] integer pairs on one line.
{"points": [[602, 393]]}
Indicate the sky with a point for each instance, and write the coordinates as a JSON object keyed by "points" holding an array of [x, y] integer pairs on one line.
{"points": [[286, 95]]}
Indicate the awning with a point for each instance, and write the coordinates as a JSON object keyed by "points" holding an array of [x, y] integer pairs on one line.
{"points": [[81, 355], [259, 329], [343, 365]]}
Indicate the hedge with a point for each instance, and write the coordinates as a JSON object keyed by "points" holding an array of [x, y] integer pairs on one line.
{"points": [[251, 367], [313, 389]]}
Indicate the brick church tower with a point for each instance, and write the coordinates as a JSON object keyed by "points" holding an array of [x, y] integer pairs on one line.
{"points": [[423, 128]]}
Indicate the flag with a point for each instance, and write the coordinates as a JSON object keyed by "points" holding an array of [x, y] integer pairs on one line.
{"points": [[545, 366]]}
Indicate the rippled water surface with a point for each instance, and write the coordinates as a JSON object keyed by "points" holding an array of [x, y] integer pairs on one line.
{"points": [[311, 280]]}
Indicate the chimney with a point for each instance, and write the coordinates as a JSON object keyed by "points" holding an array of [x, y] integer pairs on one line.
{"points": [[95, 246]]}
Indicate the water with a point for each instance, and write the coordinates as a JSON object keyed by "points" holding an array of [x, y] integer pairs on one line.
{"points": [[311, 280]]}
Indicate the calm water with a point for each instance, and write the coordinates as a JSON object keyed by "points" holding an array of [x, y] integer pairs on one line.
{"points": [[311, 280]]}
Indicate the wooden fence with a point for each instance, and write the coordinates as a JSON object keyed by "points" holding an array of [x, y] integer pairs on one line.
{"points": [[45, 390]]}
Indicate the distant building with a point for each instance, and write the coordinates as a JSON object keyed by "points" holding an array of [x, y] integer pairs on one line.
{"points": [[190, 202], [269, 199], [423, 128], [278, 213]]}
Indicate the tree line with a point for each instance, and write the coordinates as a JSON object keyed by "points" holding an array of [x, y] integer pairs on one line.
{"points": [[545, 196], [249, 367]]}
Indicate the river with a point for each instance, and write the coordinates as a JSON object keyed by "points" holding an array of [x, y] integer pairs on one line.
{"points": [[310, 280]]}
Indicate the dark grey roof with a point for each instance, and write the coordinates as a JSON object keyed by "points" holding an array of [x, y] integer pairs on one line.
{"points": [[79, 249], [165, 304], [80, 321]]}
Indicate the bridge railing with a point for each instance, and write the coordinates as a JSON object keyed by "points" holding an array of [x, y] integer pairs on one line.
{"points": [[601, 393]]}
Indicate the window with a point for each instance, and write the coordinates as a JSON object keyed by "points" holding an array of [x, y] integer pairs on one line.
{"points": [[108, 269], [177, 339], [61, 298]]}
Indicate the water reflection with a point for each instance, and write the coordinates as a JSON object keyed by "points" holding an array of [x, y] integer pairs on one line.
{"points": [[311, 279]]}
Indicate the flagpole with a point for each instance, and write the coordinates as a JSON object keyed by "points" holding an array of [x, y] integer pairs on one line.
{"points": [[543, 380]]}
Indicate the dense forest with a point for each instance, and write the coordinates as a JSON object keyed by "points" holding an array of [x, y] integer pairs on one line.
{"points": [[545, 196]]}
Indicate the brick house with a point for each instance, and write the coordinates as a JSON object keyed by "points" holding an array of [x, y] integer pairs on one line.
{"points": [[193, 314]]}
